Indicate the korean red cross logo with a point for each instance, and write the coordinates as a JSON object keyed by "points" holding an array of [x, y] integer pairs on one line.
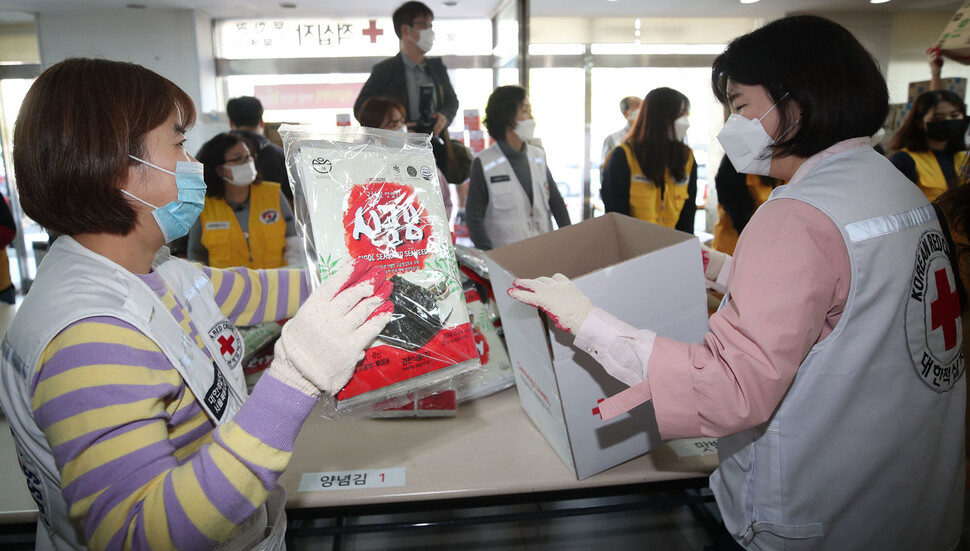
{"points": [[387, 224], [934, 331], [269, 216], [227, 342]]}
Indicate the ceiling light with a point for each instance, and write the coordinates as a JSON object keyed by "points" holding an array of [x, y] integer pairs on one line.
{"points": [[450, 3], [136, 6], [878, 1], [287, 5], [748, 1]]}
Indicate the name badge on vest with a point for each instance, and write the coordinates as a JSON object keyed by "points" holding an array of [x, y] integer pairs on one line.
{"points": [[217, 225], [640, 178], [217, 397], [500, 178], [269, 216]]}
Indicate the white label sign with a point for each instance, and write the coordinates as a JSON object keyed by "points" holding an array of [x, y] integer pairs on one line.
{"points": [[689, 447], [352, 480]]}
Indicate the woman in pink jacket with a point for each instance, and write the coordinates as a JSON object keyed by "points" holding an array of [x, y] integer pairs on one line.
{"points": [[830, 373]]}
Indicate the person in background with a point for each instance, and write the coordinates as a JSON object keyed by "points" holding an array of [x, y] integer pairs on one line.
{"points": [[931, 142], [8, 231], [388, 114], [831, 373], [655, 179], [121, 373], [738, 196], [246, 220], [630, 108], [246, 119], [409, 76], [511, 192]]}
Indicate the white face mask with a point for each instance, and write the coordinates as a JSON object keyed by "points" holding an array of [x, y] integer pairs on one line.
{"points": [[242, 175], [403, 129], [680, 128], [747, 143], [525, 129], [425, 39]]}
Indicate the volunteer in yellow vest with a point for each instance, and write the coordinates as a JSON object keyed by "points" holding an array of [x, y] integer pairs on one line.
{"points": [[246, 221], [652, 175], [738, 196], [931, 145], [511, 192]]}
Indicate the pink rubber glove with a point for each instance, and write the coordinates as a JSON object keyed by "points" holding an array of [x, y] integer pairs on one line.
{"points": [[717, 267], [558, 297]]}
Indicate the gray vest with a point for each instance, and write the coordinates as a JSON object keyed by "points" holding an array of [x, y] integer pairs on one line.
{"points": [[866, 450], [509, 217]]}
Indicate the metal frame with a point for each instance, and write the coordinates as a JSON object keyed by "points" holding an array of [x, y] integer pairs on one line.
{"points": [[693, 493]]}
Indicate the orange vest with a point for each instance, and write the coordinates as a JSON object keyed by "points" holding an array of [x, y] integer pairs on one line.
{"points": [[223, 237], [725, 236], [646, 202]]}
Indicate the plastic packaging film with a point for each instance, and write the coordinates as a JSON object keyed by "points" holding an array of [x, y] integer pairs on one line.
{"points": [[374, 194]]}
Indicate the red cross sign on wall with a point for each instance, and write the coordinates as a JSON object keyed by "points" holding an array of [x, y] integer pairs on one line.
{"points": [[372, 31], [225, 345], [945, 310]]}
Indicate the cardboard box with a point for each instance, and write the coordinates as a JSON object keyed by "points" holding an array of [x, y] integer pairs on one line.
{"points": [[956, 85], [648, 276], [954, 43]]}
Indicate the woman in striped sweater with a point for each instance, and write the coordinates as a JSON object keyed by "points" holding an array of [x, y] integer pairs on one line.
{"points": [[121, 372]]}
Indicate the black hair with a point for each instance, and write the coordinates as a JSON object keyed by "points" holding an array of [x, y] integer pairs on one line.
{"points": [[245, 111], [822, 67], [212, 155], [652, 139], [406, 13], [911, 135], [501, 109]]}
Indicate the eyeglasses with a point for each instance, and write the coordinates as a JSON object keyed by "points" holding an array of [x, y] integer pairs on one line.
{"points": [[239, 159]]}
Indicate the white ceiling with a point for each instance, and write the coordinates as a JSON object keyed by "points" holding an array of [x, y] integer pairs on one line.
{"points": [[231, 9]]}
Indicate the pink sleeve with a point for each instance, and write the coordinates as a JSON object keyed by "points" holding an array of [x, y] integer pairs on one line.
{"points": [[788, 286]]}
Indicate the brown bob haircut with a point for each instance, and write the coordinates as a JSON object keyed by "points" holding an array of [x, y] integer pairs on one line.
{"points": [[373, 112], [77, 125]]}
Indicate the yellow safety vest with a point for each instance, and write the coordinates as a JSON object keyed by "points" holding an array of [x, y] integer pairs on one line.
{"points": [[646, 202], [222, 235], [725, 235], [929, 175]]}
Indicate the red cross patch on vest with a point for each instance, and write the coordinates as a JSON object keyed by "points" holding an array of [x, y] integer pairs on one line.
{"points": [[228, 343], [933, 329]]}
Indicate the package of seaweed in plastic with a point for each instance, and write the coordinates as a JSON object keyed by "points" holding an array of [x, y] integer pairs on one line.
{"points": [[374, 194]]}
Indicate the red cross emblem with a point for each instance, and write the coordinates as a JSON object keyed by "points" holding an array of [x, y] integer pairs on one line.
{"points": [[373, 32], [225, 345], [945, 309], [596, 410]]}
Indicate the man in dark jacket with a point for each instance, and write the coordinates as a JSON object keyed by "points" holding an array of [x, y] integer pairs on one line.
{"points": [[404, 76], [246, 119]]}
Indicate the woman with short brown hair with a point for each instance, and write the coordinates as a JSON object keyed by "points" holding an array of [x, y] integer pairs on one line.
{"points": [[121, 373]]}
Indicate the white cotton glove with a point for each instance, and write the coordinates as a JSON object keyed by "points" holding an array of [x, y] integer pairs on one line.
{"points": [[293, 252], [717, 268], [558, 297], [322, 344]]}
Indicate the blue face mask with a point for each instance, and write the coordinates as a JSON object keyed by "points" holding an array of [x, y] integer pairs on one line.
{"points": [[176, 218]]}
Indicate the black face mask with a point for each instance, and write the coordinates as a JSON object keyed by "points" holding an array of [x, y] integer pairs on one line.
{"points": [[951, 131]]}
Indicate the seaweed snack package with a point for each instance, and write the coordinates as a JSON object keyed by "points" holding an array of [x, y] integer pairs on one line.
{"points": [[442, 404], [374, 194], [259, 352], [496, 373]]}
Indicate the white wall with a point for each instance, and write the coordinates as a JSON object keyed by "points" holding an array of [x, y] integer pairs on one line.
{"points": [[177, 44]]}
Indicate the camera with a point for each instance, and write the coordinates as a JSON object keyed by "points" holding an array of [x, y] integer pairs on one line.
{"points": [[425, 122]]}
